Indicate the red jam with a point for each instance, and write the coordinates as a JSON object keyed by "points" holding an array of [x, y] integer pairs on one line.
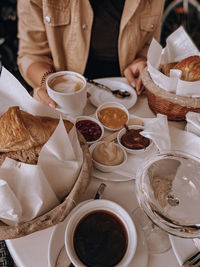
{"points": [[89, 129]]}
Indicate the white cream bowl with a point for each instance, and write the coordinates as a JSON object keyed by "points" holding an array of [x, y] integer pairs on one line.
{"points": [[103, 167]]}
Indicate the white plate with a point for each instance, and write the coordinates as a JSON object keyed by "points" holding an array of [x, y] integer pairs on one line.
{"points": [[100, 96], [183, 248], [128, 170], [56, 244]]}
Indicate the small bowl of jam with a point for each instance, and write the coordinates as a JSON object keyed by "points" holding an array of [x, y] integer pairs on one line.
{"points": [[132, 141], [107, 156], [100, 233], [112, 115], [90, 128]]}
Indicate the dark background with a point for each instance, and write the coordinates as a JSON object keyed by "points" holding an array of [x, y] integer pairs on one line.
{"points": [[9, 42]]}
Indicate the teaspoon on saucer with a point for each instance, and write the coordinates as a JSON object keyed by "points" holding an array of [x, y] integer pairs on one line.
{"points": [[117, 92]]}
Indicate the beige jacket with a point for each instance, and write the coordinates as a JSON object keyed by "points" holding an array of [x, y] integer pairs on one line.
{"points": [[58, 32]]}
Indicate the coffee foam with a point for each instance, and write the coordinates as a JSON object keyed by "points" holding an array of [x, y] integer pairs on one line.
{"points": [[66, 83]]}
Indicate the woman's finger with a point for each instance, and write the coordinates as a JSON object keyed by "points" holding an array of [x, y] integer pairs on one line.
{"points": [[44, 98], [130, 77]]}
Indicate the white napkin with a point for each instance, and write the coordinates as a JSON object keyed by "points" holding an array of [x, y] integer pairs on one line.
{"points": [[158, 131], [27, 191], [155, 129], [193, 123], [179, 45], [61, 159]]}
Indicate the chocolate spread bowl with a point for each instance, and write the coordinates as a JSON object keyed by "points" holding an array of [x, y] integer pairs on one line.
{"points": [[90, 128], [144, 144]]}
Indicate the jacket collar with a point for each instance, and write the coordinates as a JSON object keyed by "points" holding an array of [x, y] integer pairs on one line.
{"points": [[129, 9]]}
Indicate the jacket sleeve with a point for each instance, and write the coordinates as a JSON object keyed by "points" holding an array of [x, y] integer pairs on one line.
{"points": [[153, 34], [33, 43]]}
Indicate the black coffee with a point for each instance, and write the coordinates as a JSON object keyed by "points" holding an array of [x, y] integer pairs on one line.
{"points": [[100, 239]]}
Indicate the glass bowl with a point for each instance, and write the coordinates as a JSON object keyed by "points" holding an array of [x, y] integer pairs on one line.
{"points": [[168, 190]]}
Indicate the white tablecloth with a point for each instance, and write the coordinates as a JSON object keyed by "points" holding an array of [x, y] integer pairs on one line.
{"points": [[32, 250]]}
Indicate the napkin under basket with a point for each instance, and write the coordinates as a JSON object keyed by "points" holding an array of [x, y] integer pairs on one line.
{"points": [[59, 213], [175, 107]]}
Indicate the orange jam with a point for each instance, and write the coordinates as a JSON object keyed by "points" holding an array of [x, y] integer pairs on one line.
{"points": [[113, 117]]}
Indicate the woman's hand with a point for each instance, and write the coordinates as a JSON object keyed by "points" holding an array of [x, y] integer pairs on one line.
{"points": [[41, 95], [133, 74], [37, 73]]}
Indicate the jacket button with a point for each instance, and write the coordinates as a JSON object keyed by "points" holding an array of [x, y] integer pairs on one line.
{"points": [[152, 26], [47, 18], [84, 26]]}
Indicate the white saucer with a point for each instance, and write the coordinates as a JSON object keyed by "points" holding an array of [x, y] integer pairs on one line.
{"points": [[56, 244], [100, 96]]}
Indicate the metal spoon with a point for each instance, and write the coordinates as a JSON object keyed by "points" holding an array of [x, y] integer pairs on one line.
{"points": [[117, 93]]}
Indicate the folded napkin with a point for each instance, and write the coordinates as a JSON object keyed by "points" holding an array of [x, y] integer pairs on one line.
{"points": [[28, 191], [193, 123], [155, 129], [178, 46]]}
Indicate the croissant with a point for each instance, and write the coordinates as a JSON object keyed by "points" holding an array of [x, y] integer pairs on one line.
{"points": [[22, 135], [189, 66]]}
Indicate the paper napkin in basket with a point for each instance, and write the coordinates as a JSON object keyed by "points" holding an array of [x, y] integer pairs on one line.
{"points": [[61, 159], [27, 191], [24, 192], [178, 46]]}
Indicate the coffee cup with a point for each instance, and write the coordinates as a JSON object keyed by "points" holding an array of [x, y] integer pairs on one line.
{"points": [[68, 90], [100, 233]]}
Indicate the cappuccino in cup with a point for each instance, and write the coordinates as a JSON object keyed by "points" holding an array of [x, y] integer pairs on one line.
{"points": [[66, 83], [68, 90]]}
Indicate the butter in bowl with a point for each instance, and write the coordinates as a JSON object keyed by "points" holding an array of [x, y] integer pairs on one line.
{"points": [[107, 156]]}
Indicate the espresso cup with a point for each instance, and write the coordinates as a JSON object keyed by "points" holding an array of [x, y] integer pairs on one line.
{"points": [[68, 90], [100, 233]]}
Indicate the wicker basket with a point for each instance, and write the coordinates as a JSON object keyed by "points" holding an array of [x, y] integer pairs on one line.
{"points": [[172, 105], [59, 213]]}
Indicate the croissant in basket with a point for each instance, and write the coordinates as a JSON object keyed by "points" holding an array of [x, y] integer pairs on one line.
{"points": [[22, 135], [189, 66]]}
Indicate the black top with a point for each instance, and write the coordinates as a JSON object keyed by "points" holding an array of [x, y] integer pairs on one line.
{"points": [[103, 56]]}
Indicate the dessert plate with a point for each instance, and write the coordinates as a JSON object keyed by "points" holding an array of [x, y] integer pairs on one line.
{"points": [[57, 256], [100, 96]]}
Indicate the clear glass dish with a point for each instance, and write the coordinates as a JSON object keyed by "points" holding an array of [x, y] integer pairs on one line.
{"points": [[168, 190]]}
